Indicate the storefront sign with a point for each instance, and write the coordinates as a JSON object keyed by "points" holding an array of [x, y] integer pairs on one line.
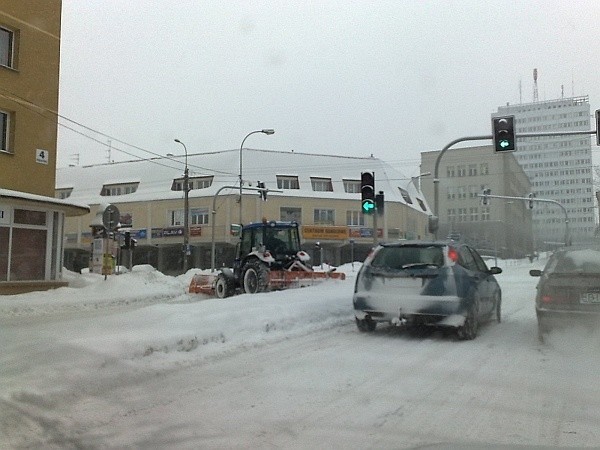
{"points": [[365, 232], [195, 231], [168, 232], [325, 232]]}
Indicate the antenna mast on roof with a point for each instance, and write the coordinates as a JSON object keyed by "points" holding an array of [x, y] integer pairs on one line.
{"points": [[535, 86], [109, 150]]}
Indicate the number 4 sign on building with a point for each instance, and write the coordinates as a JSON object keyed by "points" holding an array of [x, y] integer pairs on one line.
{"points": [[41, 156]]}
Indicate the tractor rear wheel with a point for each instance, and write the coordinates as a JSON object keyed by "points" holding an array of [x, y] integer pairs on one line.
{"points": [[256, 277]]}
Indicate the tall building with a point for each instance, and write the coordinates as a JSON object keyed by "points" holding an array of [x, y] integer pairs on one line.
{"points": [[559, 168], [31, 219]]}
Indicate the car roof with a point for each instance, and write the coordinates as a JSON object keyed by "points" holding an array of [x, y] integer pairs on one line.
{"points": [[415, 243]]}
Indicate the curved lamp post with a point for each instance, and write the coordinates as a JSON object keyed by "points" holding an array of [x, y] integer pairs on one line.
{"points": [[186, 210], [267, 131]]}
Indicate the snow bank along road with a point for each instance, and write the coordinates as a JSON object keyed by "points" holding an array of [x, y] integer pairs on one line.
{"points": [[283, 370]]}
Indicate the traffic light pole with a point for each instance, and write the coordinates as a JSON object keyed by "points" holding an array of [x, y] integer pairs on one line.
{"points": [[436, 180], [538, 200]]}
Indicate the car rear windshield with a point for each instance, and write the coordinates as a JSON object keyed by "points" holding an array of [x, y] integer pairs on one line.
{"points": [[397, 258], [575, 261]]}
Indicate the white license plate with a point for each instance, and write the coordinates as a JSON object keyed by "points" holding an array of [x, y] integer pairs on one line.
{"points": [[590, 297]]}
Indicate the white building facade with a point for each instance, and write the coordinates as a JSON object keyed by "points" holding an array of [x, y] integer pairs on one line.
{"points": [[559, 168]]}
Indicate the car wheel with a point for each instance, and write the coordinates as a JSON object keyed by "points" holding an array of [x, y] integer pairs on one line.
{"points": [[256, 277], [224, 287], [542, 330], [468, 331], [365, 325]]}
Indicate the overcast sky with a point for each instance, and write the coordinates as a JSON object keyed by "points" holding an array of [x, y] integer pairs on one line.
{"points": [[352, 78]]}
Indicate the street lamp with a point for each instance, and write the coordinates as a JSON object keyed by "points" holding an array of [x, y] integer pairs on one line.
{"points": [[267, 131], [186, 210], [418, 177]]}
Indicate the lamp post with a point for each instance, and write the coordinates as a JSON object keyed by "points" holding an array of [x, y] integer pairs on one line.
{"points": [[186, 210], [266, 131]]}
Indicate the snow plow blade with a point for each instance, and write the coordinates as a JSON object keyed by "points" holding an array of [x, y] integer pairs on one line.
{"points": [[278, 280], [203, 284]]}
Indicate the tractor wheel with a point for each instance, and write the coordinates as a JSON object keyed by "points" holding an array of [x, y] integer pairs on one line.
{"points": [[224, 287], [256, 277]]}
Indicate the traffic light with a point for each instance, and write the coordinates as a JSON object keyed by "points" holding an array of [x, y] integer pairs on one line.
{"points": [[127, 240], [504, 134], [530, 201], [262, 194], [379, 203], [367, 191], [484, 197]]}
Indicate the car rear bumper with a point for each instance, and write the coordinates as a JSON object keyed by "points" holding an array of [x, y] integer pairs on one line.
{"points": [[438, 310], [555, 318]]}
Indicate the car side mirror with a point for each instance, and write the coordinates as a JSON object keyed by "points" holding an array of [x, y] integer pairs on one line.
{"points": [[495, 270], [535, 273]]}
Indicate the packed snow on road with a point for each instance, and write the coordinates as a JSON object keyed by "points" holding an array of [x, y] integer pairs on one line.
{"points": [[136, 361]]}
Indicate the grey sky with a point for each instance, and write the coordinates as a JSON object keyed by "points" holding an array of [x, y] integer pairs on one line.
{"points": [[353, 78]]}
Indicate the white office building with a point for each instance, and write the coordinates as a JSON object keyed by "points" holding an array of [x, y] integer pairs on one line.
{"points": [[559, 168]]}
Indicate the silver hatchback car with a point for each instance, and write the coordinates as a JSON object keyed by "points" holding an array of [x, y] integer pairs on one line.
{"points": [[433, 284]]}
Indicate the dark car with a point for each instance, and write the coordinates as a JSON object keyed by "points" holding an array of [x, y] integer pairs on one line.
{"points": [[568, 292], [418, 284]]}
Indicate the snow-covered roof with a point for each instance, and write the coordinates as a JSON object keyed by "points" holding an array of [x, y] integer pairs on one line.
{"points": [[69, 206], [156, 175]]}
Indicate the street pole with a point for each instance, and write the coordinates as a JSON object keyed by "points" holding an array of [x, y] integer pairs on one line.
{"points": [[267, 131], [186, 210]]}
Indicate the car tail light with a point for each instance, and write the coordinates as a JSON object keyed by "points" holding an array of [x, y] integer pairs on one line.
{"points": [[453, 254]]}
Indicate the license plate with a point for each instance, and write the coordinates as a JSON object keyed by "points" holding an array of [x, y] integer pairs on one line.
{"points": [[590, 297]]}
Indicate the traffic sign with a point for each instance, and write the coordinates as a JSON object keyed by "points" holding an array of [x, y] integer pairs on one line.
{"points": [[110, 217]]}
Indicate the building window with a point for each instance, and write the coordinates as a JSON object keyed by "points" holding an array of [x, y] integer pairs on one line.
{"points": [[450, 171], [175, 218], [199, 216], [324, 217], [352, 186], [462, 171], [6, 47], [63, 193], [472, 170], [474, 216], [355, 219], [451, 215], [485, 213], [286, 182], [405, 195], [422, 204], [321, 184], [4, 130], [288, 214], [193, 183], [109, 190]]}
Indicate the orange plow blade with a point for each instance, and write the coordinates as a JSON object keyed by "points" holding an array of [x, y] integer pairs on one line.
{"points": [[283, 279]]}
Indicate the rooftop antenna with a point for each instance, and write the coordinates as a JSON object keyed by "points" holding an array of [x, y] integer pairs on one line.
{"points": [[535, 86], [109, 150], [562, 91], [74, 157], [520, 90]]}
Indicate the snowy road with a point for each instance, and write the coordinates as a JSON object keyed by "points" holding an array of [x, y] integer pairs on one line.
{"points": [[274, 376]]}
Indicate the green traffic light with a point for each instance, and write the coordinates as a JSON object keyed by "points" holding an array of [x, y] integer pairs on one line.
{"points": [[504, 143], [368, 206]]}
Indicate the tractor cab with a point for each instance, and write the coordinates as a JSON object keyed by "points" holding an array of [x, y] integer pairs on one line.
{"points": [[275, 242]]}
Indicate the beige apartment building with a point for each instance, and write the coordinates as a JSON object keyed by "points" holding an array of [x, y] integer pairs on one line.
{"points": [[320, 192], [31, 218], [502, 226]]}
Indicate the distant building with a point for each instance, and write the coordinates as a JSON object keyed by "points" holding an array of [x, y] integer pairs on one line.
{"points": [[559, 168], [31, 219], [502, 226], [320, 192]]}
